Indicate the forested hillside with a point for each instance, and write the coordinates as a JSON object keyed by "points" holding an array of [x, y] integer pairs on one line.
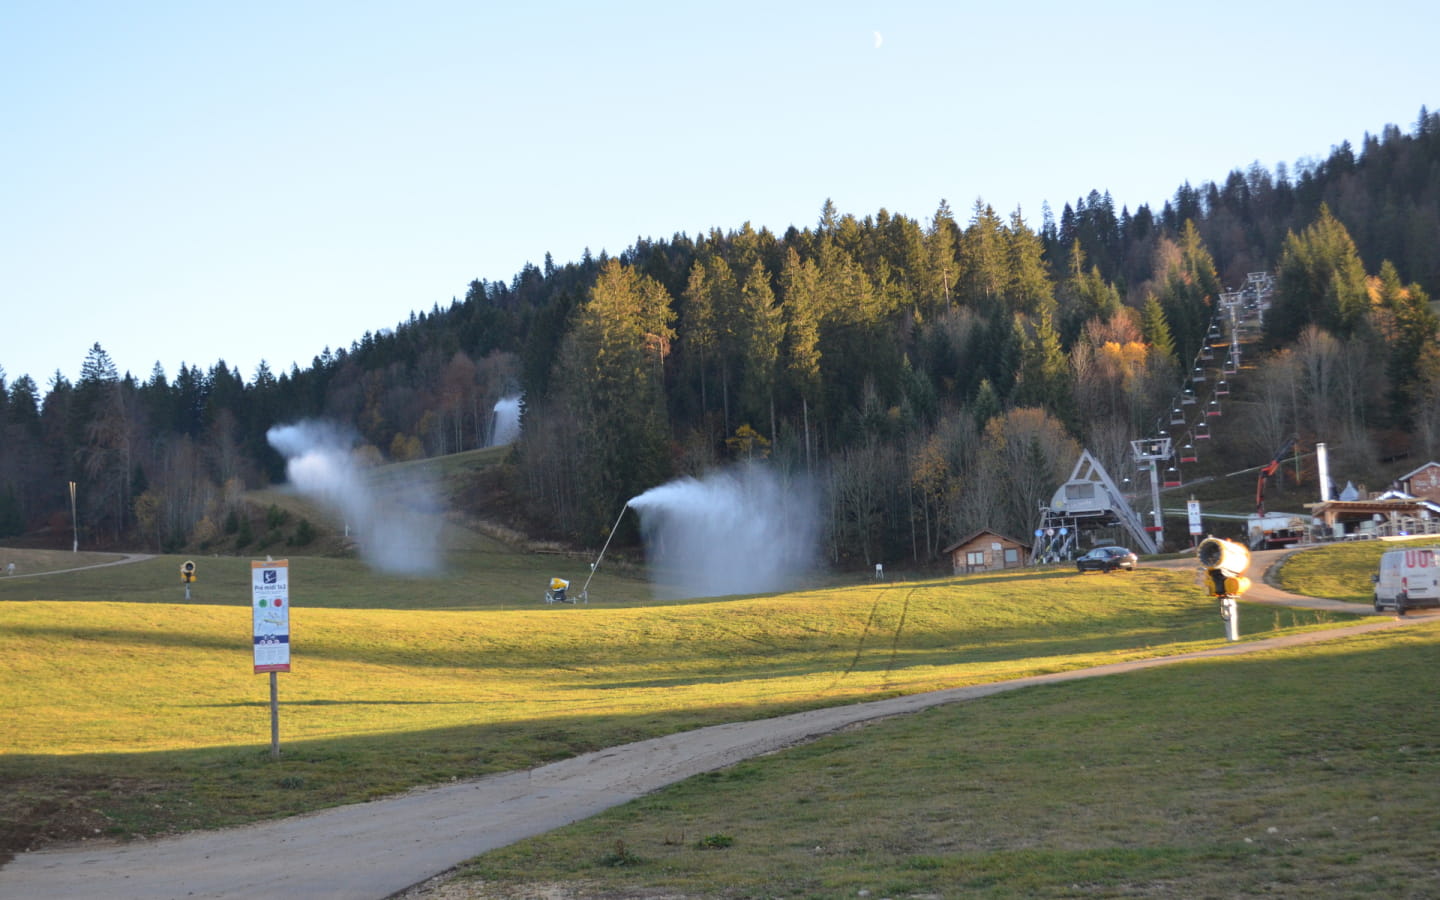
{"points": [[933, 376]]}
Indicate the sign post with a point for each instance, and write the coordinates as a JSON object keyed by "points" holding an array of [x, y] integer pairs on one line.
{"points": [[270, 606], [1192, 512]]}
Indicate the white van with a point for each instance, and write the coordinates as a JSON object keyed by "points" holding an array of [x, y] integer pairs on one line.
{"points": [[1408, 579]]}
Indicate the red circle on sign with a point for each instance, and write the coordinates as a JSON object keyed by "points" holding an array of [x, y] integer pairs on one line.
{"points": [[279, 602]]}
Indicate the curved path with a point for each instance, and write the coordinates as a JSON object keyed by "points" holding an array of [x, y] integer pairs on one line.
{"points": [[123, 560], [374, 850]]}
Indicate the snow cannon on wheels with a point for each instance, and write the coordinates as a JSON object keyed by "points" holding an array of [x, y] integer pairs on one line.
{"points": [[556, 593]]}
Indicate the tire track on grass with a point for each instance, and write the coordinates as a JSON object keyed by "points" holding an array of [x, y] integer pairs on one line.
{"points": [[864, 633], [895, 638]]}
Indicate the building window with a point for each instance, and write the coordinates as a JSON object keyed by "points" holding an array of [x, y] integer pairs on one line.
{"points": [[975, 559], [1012, 556]]}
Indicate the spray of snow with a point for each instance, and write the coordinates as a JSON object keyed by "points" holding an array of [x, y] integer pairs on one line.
{"points": [[505, 422], [397, 531], [745, 530]]}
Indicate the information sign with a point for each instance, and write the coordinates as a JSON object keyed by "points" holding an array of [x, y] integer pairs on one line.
{"points": [[1192, 509], [270, 602]]}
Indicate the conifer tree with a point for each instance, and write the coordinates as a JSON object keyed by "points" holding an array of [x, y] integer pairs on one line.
{"points": [[1155, 330], [620, 341], [1320, 280], [762, 330]]}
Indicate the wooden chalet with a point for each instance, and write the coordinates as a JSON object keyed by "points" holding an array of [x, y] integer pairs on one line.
{"points": [[987, 551]]}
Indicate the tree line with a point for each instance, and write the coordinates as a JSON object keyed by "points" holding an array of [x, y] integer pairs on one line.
{"points": [[934, 376]]}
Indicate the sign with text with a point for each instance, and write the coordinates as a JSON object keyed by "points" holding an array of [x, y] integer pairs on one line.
{"points": [[1192, 511], [270, 604]]}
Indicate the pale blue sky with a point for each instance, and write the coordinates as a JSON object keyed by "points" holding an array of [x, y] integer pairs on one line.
{"points": [[196, 181]]}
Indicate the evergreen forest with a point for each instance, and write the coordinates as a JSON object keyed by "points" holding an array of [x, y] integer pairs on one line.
{"points": [[930, 377]]}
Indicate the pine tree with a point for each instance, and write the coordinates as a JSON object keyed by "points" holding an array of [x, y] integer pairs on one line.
{"points": [[1156, 330], [1028, 285], [1320, 280], [762, 330], [618, 348]]}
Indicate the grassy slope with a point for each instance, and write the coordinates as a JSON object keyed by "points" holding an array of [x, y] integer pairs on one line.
{"points": [[1298, 773], [1304, 772], [1341, 571], [129, 719], [144, 714]]}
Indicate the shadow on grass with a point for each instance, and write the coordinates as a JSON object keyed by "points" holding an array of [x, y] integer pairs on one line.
{"points": [[1326, 709], [266, 703]]}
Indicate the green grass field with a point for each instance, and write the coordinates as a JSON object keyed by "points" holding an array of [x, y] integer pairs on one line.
{"points": [[129, 713], [111, 686], [1298, 773], [1341, 571]]}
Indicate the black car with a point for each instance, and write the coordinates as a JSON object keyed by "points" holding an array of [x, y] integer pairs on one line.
{"points": [[1107, 559]]}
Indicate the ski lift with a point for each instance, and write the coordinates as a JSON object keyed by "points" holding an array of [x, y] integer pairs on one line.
{"points": [[1177, 417], [1222, 389], [1187, 453], [1188, 397], [1172, 477], [1202, 432], [1199, 374], [1213, 409]]}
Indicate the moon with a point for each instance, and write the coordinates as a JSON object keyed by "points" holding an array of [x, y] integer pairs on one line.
{"points": [[879, 39]]}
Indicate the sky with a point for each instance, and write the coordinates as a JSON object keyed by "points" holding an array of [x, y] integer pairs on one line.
{"points": [[190, 182]]}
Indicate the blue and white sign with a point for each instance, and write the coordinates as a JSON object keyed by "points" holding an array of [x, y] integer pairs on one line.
{"points": [[270, 604]]}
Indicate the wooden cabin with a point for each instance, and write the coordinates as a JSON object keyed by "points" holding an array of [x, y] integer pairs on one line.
{"points": [[987, 551]]}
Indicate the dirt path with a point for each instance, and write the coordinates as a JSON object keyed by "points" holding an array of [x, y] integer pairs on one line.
{"points": [[124, 560], [374, 850]]}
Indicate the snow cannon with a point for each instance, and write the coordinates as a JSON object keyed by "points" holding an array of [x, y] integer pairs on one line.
{"points": [[556, 593], [1225, 563]]}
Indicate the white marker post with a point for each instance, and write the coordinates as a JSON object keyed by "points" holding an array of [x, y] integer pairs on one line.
{"points": [[270, 605]]}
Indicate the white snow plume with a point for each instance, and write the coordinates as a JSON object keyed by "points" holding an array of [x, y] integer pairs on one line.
{"points": [[505, 422], [744, 530], [397, 529]]}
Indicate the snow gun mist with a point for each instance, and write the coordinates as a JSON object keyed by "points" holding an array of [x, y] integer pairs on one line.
{"points": [[397, 529], [738, 531]]}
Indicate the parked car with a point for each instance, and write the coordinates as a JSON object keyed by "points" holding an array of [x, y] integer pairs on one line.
{"points": [[1107, 559], [1408, 579]]}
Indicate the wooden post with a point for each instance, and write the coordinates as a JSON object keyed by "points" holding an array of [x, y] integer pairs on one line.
{"points": [[274, 716]]}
